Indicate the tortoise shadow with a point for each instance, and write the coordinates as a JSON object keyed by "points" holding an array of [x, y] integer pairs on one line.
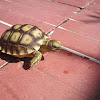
{"points": [[8, 58], [12, 59]]}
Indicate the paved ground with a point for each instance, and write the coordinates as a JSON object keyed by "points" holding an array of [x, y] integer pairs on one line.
{"points": [[62, 75]]}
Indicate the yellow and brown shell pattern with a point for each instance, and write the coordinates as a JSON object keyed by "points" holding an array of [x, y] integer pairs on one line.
{"points": [[21, 39]]}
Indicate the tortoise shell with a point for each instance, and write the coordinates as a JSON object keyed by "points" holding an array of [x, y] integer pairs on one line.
{"points": [[21, 39]]}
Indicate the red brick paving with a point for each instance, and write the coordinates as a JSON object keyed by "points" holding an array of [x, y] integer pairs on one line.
{"points": [[62, 75], [40, 14]]}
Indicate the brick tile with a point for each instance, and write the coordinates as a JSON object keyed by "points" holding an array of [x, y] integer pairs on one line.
{"points": [[17, 83]]}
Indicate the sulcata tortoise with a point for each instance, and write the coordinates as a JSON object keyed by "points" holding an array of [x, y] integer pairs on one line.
{"points": [[24, 40]]}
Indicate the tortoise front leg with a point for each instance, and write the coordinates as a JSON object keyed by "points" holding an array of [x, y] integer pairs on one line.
{"points": [[36, 58]]}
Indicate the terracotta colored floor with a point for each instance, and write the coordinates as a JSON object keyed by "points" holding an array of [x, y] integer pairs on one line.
{"points": [[62, 75]]}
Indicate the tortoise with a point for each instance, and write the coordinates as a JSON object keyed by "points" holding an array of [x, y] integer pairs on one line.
{"points": [[25, 40]]}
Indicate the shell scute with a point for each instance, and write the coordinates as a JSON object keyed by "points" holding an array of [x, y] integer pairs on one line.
{"points": [[6, 35], [8, 48], [36, 46], [4, 47], [15, 36], [36, 33], [0, 47], [26, 28], [26, 40], [30, 50], [39, 41], [17, 26], [22, 50], [14, 50]]}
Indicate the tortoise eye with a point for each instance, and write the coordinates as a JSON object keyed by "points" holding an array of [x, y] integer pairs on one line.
{"points": [[54, 47]]}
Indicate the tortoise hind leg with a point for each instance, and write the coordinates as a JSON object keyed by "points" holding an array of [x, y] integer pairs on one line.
{"points": [[36, 58]]}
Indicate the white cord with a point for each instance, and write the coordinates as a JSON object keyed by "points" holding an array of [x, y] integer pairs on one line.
{"points": [[81, 54]]}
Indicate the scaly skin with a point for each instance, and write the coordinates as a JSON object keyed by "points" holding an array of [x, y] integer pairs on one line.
{"points": [[36, 58]]}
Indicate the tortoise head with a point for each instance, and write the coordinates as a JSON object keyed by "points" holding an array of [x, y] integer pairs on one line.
{"points": [[53, 45]]}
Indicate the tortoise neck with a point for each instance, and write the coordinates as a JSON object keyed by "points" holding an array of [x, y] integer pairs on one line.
{"points": [[45, 43]]}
